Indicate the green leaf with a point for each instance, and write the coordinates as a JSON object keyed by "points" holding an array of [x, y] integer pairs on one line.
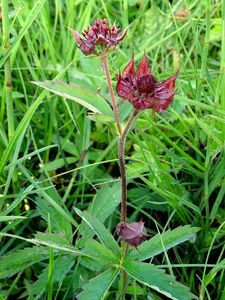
{"points": [[213, 272], [97, 287], [99, 229], [20, 260], [81, 95], [58, 239], [94, 249], [55, 241], [157, 280], [103, 205], [92, 264], [105, 201], [161, 242]]}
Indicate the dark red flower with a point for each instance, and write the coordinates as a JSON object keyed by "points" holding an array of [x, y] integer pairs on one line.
{"points": [[134, 233], [99, 33], [142, 89]]}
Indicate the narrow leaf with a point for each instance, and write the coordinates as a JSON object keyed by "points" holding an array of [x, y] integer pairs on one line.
{"points": [[55, 241], [97, 287], [157, 280], [161, 242], [105, 201], [103, 205], [79, 94], [99, 229]]}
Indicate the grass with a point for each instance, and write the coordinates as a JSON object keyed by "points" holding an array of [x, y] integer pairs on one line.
{"points": [[55, 156]]}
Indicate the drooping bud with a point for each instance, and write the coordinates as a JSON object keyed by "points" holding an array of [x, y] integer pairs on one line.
{"points": [[134, 233]]}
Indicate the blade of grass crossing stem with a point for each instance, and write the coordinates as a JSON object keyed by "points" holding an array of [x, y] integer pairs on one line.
{"points": [[7, 67], [202, 78]]}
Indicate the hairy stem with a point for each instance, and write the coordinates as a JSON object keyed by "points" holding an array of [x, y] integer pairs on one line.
{"points": [[109, 83], [121, 144], [7, 68]]}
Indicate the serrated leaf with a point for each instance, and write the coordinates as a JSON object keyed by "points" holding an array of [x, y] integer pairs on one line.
{"points": [[58, 239], [97, 287], [94, 249], [161, 242], [156, 279], [80, 95], [20, 260], [99, 229]]}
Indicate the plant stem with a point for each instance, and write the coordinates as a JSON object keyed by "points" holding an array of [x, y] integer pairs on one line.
{"points": [[109, 83], [7, 68], [121, 144]]}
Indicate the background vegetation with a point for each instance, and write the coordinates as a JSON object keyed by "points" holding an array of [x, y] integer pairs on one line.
{"points": [[56, 156]]}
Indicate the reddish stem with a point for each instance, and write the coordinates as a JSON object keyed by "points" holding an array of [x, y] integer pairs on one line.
{"points": [[109, 83], [121, 144]]}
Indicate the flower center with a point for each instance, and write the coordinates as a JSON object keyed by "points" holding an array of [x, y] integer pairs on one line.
{"points": [[146, 84]]}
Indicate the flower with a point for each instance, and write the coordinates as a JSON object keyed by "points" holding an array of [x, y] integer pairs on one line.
{"points": [[99, 33], [142, 89], [134, 233]]}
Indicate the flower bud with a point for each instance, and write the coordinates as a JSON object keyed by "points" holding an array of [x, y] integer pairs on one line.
{"points": [[134, 233]]}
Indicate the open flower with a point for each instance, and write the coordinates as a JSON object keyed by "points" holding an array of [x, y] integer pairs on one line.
{"points": [[142, 89], [134, 233], [99, 33]]}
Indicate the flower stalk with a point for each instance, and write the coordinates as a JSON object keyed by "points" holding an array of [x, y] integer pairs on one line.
{"points": [[121, 144], [109, 83]]}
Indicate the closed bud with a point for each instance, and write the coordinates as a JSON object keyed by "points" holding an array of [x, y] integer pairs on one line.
{"points": [[134, 233]]}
